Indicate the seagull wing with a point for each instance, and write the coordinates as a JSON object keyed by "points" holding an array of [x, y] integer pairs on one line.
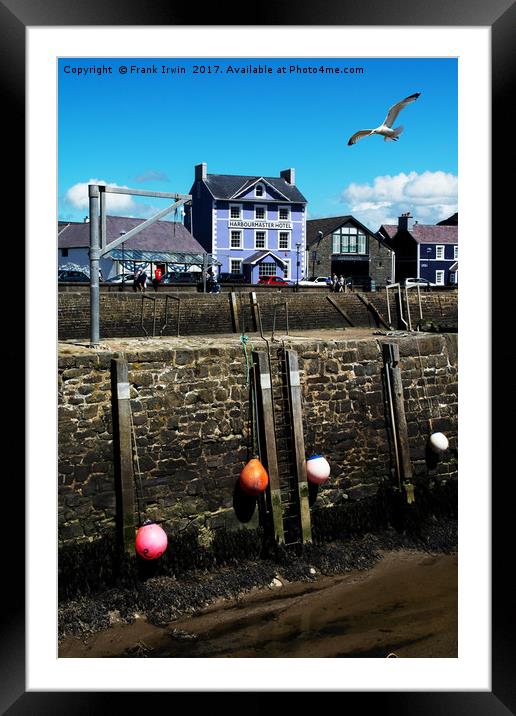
{"points": [[396, 109], [358, 135]]}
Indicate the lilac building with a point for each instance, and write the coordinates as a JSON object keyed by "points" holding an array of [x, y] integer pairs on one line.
{"points": [[254, 225]]}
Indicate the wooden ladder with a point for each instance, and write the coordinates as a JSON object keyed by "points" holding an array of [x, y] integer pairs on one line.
{"points": [[282, 427]]}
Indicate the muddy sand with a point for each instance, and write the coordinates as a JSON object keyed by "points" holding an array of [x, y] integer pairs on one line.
{"points": [[405, 604]]}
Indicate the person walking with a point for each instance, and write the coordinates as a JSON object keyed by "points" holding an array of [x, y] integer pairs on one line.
{"points": [[341, 284], [334, 283]]}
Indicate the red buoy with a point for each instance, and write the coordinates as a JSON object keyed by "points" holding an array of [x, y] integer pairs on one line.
{"points": [[151, 541], [254, 478]]}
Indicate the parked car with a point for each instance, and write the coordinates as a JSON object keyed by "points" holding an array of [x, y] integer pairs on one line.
{"points": [[316, 281], [273, 281], [125, 278], [182, 277], [69, 275], [417, 281], [231, 278]]}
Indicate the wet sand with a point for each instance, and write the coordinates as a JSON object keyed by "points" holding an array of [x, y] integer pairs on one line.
{"points": [[406, 605]]}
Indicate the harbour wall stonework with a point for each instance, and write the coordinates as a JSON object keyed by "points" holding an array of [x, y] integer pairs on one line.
{"points": [[191, 428], [128, 314]]}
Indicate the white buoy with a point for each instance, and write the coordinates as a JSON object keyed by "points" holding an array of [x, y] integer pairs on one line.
{"points": [[438, 442], [317, 469]]}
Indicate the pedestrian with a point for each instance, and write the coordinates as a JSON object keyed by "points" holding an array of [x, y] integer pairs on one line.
{"points": [[341, 284], [334, 283], [142, 280]]}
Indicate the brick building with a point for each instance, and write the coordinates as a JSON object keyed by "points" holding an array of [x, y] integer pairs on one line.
{"points": [[343, 245]]}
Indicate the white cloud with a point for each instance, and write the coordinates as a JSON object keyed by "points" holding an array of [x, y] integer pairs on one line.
{"points": [[430, 197], [76, 197]]}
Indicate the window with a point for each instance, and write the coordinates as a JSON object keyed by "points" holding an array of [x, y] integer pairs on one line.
{"points": [[235, 211], [267, 269], [235, 266], [259, 190], [259, 212], [455, 252], [439, 278], [439, 253], [260, 240], [283, 241], [286, 270], [236, 240], [349, 240], [284, 213]]}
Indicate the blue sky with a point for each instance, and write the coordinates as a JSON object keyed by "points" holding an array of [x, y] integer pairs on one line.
{"points": [[149, 130]]}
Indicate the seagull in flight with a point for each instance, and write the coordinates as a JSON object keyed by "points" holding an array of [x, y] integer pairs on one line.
{"points": [[389, 134]]}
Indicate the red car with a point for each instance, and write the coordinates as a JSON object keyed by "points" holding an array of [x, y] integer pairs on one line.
{"points": [[272, 281]]}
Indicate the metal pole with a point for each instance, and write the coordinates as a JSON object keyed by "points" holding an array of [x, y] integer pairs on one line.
{"points": [[204, 270], [297, 266], [93, 193]]}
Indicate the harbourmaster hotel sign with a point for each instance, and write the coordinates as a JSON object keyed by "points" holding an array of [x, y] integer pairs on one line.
{"points": [[259, 224]]}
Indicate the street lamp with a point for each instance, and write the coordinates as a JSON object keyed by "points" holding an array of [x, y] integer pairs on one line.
{"points": [[298, 246], [314, 253]]}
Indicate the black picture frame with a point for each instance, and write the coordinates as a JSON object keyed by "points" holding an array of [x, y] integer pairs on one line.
{"points": [[500, 15]]}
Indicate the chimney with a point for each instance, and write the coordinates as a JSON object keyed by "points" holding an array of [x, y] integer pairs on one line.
{"points": [[201, 171], [289, 175], [405, 222]]}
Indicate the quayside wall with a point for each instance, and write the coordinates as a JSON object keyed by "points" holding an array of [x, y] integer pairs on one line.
{"points": [[128, 314], [190, 409]]}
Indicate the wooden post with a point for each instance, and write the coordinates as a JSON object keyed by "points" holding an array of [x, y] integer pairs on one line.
{"points": [[374, 311], [340, 310], [391, 354], [269, 436], [234, 311], [254, 307], [124, 475], [294, 387]]}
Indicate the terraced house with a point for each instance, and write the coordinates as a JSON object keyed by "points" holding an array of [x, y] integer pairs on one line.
{"points": [[427, 251], [254, 225]]}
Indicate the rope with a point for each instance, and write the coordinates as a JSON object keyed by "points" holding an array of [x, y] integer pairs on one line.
{"points": [[253, 443], [138, 479]]}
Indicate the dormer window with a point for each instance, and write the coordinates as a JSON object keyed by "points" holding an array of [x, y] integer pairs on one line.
{"points": [[259, 191]]}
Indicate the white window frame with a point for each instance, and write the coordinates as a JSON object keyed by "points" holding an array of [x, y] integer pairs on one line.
{"points": [[289, 240], [289, 211], [241, 234], [262, 265], [287, 274], [439, 273], [455, 252], [260, 206], [240, 211], [438, 248], [261, 231], [262, 187], [235, 261]]}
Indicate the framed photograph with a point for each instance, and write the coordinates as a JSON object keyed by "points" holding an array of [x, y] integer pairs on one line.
{"points": [[93, 85]]}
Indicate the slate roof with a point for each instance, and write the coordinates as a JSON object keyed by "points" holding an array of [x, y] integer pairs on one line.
{"points": [[254, 258], [224, 186], [327, 226], [426, 233], [161, 236], [452, 220]]}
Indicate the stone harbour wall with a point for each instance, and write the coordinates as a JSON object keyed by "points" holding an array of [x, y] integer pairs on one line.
{"points": [[128, 314], [190, 416]]}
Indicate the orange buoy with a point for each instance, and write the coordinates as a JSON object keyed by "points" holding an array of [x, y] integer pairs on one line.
{"points": [[254, 478]]}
